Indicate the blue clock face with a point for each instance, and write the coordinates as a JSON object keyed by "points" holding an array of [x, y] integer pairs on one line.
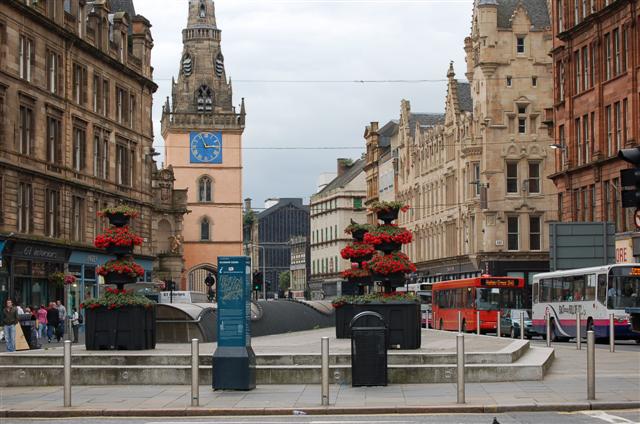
{"points": [[206, 147]]}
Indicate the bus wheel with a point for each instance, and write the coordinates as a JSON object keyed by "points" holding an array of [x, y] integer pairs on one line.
{"points": [[513, 334], [442, 327]]}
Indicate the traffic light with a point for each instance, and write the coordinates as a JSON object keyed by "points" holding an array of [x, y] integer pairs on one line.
{"points": [[257, 281], [630, 178]]}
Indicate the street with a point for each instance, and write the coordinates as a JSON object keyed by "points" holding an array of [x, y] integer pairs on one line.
{"points": [[583, 417]]}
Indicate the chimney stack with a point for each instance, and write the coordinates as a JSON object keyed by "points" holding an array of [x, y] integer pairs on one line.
{"points": [[343, 165], [247, 204]]}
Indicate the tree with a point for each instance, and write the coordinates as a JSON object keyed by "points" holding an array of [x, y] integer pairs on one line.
{"points": [[285, 280]]}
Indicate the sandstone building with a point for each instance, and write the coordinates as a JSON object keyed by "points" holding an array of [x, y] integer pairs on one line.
{"points": [[202, 134], [476, 181], [596, 56], [76, 135], [381, 163], [332, 210]]}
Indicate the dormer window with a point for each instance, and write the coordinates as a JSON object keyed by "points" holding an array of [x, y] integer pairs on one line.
{"points": [[204, 99]]}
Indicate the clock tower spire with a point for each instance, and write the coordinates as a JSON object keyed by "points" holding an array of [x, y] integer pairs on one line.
{"points": [[202, 134]]}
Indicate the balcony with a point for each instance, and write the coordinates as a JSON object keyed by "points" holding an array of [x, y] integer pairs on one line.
{"points": [[187, 121]]}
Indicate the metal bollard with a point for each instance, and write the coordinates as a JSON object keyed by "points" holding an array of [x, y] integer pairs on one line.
{"points": [[521, 325], [325, 371], [195, 372], [547, 320], [460, 366], [498, 329], [578, 333], [591, 365], [459, 321], [67, 373], [478, 322], [612, 334]]}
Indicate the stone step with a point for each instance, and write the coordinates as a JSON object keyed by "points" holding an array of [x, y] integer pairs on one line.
{"points": [[530, 366]]}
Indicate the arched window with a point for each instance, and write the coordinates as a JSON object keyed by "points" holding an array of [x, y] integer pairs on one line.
{"points": [[204, 189], [204, 98], [205, 229], [203, 9]]}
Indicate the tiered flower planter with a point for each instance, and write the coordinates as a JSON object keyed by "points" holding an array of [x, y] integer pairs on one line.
{"points": [[120, 320]]}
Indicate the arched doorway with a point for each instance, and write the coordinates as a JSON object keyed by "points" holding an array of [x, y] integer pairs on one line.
{"points": [[197, 276]]}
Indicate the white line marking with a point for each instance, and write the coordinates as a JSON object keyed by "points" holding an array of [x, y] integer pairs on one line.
{"points": [[278, 422], [612, 419]]}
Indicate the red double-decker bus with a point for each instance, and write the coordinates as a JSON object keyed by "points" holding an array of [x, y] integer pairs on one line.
{"points": [[485, 294]]}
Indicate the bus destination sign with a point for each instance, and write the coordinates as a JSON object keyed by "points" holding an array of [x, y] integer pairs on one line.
{"points": [[492, 282]]}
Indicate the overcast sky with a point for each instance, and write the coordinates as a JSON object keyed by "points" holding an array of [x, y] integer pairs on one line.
{"points": [[317, 40]]}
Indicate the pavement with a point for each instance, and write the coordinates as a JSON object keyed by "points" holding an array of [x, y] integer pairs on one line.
{"points": [[563, 389]]}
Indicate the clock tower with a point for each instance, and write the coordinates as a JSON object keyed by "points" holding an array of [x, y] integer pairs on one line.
{"points": [[202, 133]]}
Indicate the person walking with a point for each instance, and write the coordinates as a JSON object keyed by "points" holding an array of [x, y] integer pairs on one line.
{"points": [[62, 315], [42, 321], [10, 320], [75, 324], [53, 320]]}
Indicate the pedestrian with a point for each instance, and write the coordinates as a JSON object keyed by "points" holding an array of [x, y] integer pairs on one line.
{"points": [[10, 320], [19, 309], [75, 324], [62, 315], [42, 321], [53, 320]]}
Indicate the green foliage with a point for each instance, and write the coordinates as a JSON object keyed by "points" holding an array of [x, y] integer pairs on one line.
{"points": [[285, 280], [114, 299], [374, 297], [249, 218]]}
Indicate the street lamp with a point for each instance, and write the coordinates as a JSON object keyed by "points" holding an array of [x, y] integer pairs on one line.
{"points": [[264, 274], [209, 282], [563, 148]]}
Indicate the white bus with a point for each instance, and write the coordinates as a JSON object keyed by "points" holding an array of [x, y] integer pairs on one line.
{"points": [[424, 292], [594, 292]]}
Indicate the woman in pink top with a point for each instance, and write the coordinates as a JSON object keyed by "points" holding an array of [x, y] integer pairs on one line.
{"points": [[42, 321]]}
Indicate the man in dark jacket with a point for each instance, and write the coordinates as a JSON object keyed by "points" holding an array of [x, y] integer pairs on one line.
{"points": [[9, 320], [53, 320]]}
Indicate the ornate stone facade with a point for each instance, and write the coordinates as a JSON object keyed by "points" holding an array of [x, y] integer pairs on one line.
{"points": [[75, 136], [202, 133]]}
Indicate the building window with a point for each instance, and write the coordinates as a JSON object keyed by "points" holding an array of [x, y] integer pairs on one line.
{"points": [[120, 105], [79, 148], [205, 229], [97, 101], [204, 189], [576, 12], [617, 110], [105, 98], [509, 81], [520, 45], [522, 125], [54, 77], [512, 177], [578, 140], [77, 218], [79, 84], [204, 99], [534, 177], [25, 212], [476, 178], [609, 130], [561, 80], [357, 203], [592, 208], [585, 68], [513, 242], [576, 70], [560, 206], [534, 81], [2, 116], [26, 130], [625, 47], [100, 153], [26, 57], [54, 141], [607, 55], [534, 233], [617, 59], [560, 14], [123, 165], [625, 116], [132, 110], [586, 130], [52, 213]]}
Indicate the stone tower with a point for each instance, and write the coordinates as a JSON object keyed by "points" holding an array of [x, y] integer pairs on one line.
{"points": [[203, 140]]}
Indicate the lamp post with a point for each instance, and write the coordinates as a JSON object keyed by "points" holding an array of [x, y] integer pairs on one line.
{"points": [[264, 274], [209, 282]]}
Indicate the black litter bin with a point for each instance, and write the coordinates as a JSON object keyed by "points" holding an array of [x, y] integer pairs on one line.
{"points": [[28, 324], [369, 335]]}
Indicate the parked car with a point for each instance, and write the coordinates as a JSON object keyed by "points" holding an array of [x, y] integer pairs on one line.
{"points": [[510, 324]]}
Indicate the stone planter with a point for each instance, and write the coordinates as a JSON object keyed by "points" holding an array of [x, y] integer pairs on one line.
{"points": [[118, 219], [388, 215], [126, 328], [119, 251], [402, 318]]}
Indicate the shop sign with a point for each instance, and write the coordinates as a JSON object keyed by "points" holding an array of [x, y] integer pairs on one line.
{"points": [[624, 251], [43, 253]]}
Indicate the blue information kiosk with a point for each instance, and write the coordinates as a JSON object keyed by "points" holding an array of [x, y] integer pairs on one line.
{"points": [[234, 363]]}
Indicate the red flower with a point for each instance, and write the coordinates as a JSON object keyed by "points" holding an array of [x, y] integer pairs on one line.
{"points": [[121, 266], [117, 236], [391, 264], [357, 250], [388, 234]]}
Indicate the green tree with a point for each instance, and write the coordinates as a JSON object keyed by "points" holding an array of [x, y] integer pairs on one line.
{"points": [[285, 280]]}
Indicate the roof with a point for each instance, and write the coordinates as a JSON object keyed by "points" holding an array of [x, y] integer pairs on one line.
{"points": [[123, 6], [536, 9], [425, 120], [464, 96], [344, 179], [386, 132], [282, 203]]}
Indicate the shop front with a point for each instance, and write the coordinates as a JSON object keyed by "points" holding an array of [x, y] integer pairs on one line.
{"points": [[29, 271], [4, 274]]}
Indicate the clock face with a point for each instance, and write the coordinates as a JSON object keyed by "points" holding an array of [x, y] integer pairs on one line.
{"points": [[206, 147]]}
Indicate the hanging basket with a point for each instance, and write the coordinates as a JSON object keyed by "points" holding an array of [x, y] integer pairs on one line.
{"points": [[119, 250], [388, 215], [118, 219], [388, 247], [119, 279]]}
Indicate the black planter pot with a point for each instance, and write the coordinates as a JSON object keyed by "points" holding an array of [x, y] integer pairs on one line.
{"points": [[354, 286], [358, 235], [119, 250], [388, 215], [402, 319], [358, 260], [388, 247], [118, 219], [126, 328], [119, 279]]}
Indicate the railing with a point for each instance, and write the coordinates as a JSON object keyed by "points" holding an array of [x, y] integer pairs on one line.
{"points": [[192, 120]]}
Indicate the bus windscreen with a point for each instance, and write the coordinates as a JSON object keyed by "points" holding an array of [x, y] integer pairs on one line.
{"points": [[624, 288], [494, 299]]}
